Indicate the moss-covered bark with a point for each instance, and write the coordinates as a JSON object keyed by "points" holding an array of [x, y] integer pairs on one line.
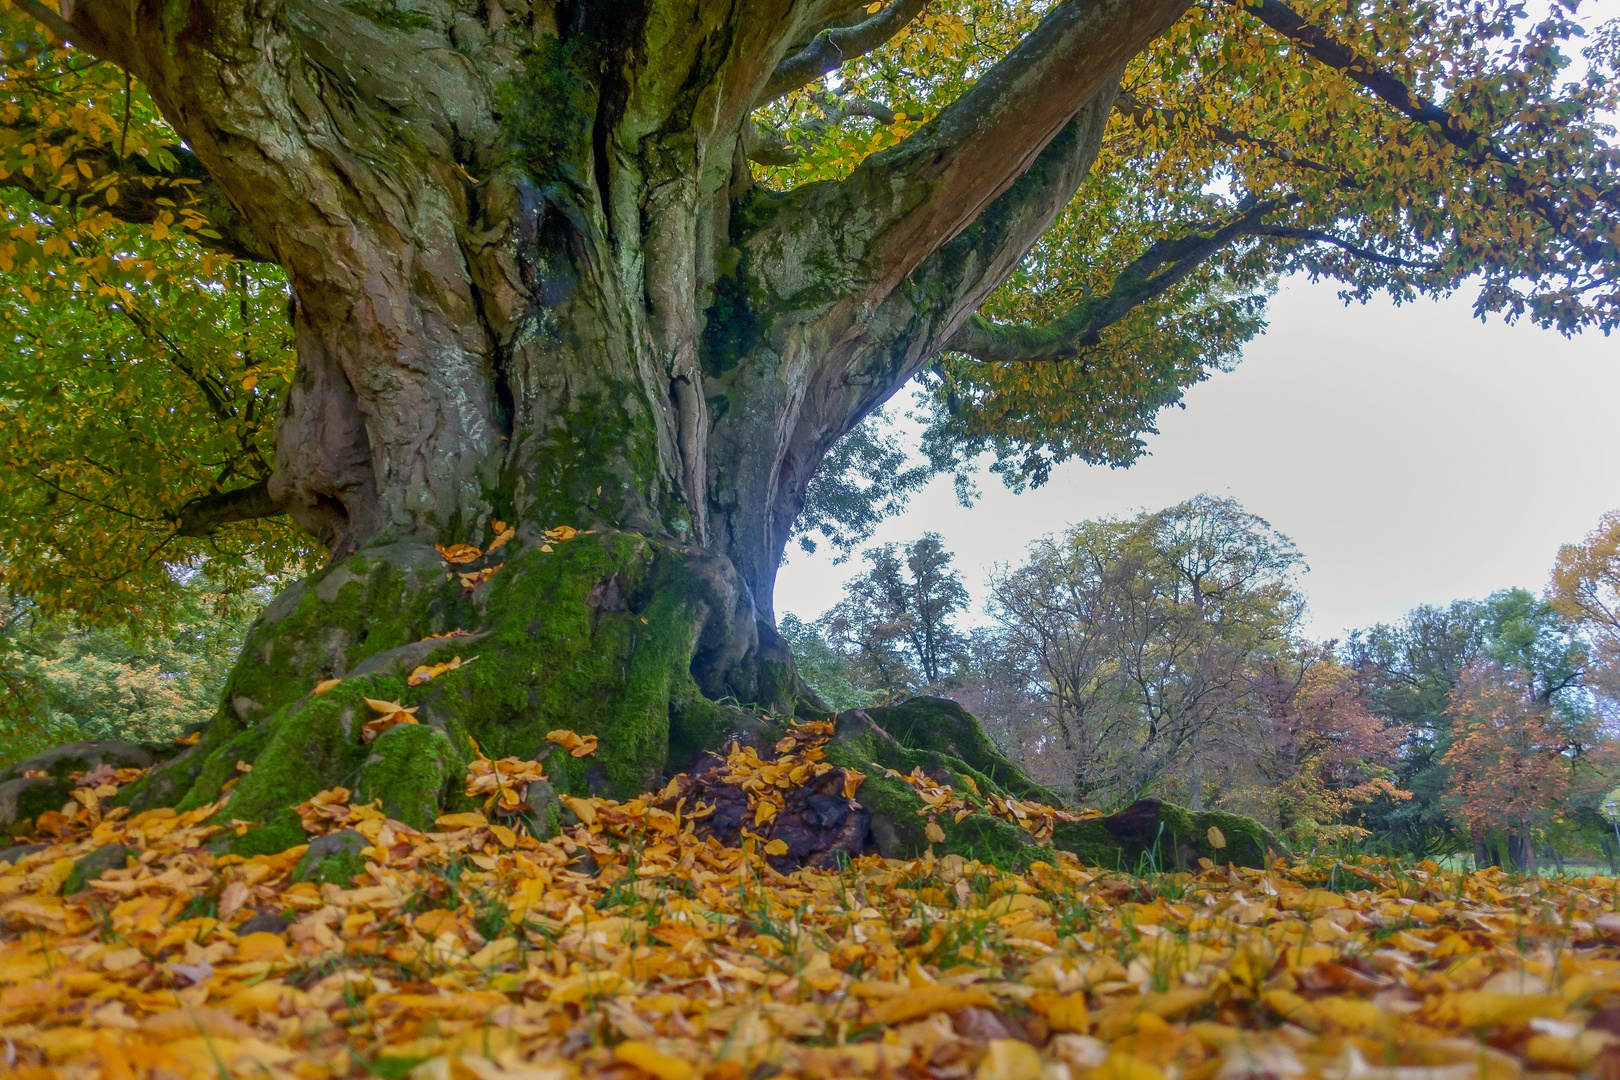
{"points": [[608, 634]]}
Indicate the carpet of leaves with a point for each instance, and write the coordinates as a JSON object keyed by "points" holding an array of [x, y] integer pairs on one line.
{"points": [[632, 946]]}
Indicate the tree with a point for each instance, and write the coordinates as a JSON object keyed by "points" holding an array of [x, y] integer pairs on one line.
{"points": [[1585, 589], [1408, 672], [828, 673], [1413, 672], [1510, 760], [896, 620], [534, 282], [1314, 754], [62, 682], [1145, 632]]}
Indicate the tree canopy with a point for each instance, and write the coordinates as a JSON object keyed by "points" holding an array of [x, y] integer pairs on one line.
{"points": [[1410, 151]]}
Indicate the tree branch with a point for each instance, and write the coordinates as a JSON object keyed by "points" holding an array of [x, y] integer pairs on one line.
{"points": [[140, 187], [1316, 236], [206, 513], [1163, 265], [830, 48], [64, 31], [1394, 91]]}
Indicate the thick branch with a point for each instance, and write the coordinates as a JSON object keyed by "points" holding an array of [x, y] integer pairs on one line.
{"points": [[1394, 91], [63, 30], [831, 48], [206, 513], [140, 188]]}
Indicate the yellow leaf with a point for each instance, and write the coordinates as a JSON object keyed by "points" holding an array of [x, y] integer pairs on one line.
{"points": [[653, 1062], [506, 836], [1068, 1013], [1010, 1059], [325, 684], [776, 847], [469, 820], [920, 1001], [935, 833], [1217, 839]]}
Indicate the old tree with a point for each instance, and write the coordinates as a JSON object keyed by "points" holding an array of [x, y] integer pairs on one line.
{"points": [[635, 268]]}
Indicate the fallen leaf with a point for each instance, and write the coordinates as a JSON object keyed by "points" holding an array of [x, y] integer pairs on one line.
{"points": [[458, 554]]}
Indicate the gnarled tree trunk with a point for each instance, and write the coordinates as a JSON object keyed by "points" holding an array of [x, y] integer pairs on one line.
{"points": [[534, 283]]}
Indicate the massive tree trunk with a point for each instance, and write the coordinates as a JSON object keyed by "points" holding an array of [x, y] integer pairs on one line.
{"points": [[534, 283]]}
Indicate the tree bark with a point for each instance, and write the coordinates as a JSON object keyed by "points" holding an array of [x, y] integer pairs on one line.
{"points": [[534, 284]]}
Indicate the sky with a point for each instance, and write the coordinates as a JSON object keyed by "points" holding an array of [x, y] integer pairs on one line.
{"points": [[1414, 454]]}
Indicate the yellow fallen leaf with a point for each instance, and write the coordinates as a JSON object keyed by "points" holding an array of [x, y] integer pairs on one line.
{"points": [[920, 1001], [653, 1062], [469, 820], [324, 685], [935, 833], [776, 847], [1217, 839], [1010, 1059], [503, 536], [1068, 1013]]}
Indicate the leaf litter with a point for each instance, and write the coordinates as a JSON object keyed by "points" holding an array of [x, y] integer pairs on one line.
{"points": [[639, 943]]}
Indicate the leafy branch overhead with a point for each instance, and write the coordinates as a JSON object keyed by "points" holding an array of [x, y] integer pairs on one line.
{"points": [[1056, 217]]}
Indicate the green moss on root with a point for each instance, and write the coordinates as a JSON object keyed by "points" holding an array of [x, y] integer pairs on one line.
{"points": [[596, 636], [941, 726]]}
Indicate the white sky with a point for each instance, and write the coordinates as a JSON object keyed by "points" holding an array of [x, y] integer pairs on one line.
{"points": [[1415, 455]]}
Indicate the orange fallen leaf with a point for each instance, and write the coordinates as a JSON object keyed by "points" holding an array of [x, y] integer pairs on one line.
{"points": [[458, 554], [324, 685]]}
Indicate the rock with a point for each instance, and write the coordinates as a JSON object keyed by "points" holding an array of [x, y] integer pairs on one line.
{"points": [[266, 923], [13, 855], [59, 761], [91, 866], [333, 858], [24, 799]]}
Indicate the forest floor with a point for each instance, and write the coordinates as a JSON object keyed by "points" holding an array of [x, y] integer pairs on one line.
{"points": [[630, 947]]}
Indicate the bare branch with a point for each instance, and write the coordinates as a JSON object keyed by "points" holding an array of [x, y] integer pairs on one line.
{"points": [[830, 48], [767, 146], [206, 513]]}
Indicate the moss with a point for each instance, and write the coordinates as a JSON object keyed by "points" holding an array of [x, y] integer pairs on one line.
{"points": [[333, 859], [941, 726], [899, 830], [411, 768], [90, 867], [596, 636], [1154, 835]]}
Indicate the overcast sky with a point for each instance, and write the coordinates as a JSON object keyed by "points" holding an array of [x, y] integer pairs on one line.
{"points": [[1415, 455]]}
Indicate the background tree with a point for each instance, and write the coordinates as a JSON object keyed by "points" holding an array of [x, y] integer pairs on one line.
{"points": [[1510, 761], [1314, 755], [534, 280], [62, 682], [1585, 589], [897, 620], [1145, 632], [1408, 671]]}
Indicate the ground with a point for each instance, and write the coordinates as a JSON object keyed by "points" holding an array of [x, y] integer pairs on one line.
{"points": [[638, 943]]}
